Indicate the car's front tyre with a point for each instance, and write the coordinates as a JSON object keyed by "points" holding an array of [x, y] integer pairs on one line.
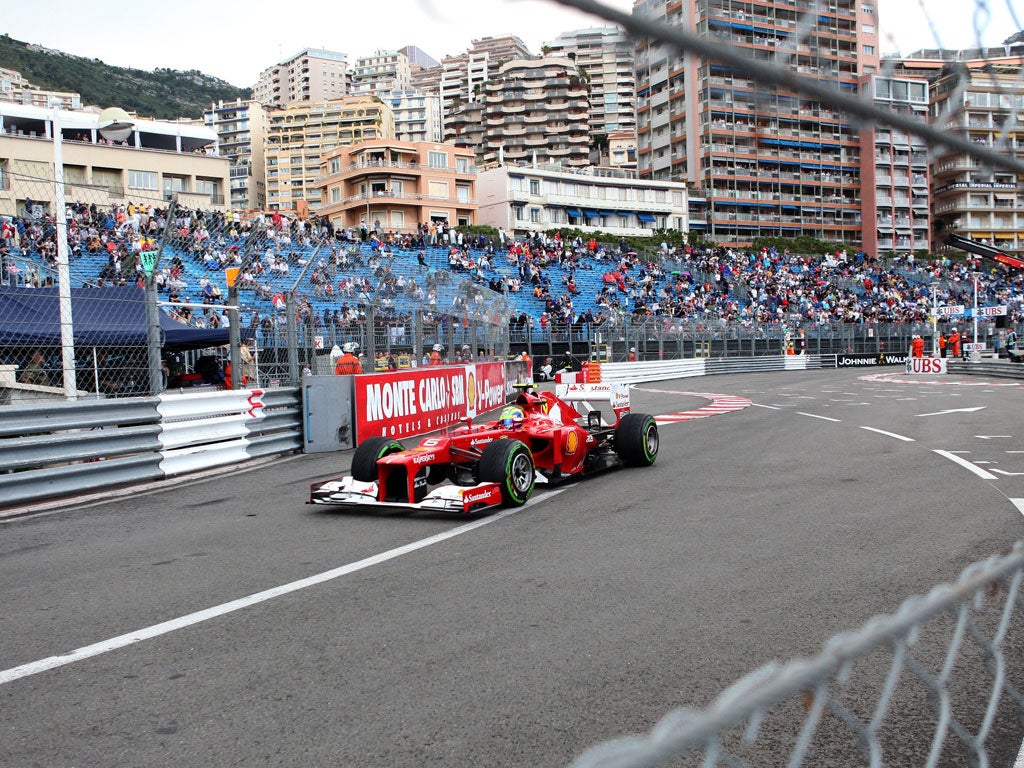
{"points": [[364, 461], [510, 464]]}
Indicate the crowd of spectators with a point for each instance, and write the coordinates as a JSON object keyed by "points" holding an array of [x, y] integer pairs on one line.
{"points": [[542, 275]]}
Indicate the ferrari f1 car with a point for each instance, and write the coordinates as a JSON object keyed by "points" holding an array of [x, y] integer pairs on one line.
{"points": [[541, 437]]}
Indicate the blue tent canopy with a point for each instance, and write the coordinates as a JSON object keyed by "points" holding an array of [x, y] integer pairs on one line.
{"points": [[649, 218], [102, 317]]}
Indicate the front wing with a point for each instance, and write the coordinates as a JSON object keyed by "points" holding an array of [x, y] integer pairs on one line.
{"points": [[349, 492]]}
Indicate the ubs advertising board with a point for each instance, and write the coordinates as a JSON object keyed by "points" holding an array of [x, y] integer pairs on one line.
{"points": [[421, 400]]}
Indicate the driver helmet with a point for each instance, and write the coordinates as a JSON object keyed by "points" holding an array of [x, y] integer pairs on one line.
{"points": [[350, 346], [511, 417], [438, 348]]}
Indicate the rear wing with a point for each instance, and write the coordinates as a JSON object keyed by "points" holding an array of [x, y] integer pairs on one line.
{"points": [[590, 397]]}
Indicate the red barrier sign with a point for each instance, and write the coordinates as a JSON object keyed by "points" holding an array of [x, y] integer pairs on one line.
{"points": [[419, 400]]}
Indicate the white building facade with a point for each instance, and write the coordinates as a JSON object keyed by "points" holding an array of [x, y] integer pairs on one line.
{"points": [[523, 199]]}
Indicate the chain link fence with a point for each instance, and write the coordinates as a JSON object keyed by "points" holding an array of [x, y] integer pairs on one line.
{"points": [[161, 296]]}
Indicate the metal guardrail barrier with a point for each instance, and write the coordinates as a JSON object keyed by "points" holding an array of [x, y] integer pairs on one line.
{"points": [[55, 449]]}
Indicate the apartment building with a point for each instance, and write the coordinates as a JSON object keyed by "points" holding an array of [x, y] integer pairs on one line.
{"points": [[151, 162], [241, 128], [313, 74], [419, 59], [395, 185], [381, 71], [462, 76], [524, 199], [768, 161], [417, 114], [533, 110], [896, 201], [300, 134], [978, 100], [16, 89], [604, 56]]}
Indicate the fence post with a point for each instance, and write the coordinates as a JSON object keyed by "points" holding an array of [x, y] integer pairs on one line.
{"points": [[292, 339]]}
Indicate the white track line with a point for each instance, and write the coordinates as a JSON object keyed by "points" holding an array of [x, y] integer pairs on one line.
{"points": [[816, 416], [890, 434], [983, 474], [114, 643]]}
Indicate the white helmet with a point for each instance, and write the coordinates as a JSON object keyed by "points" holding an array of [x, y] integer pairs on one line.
{"points": [[350, 346], [437, 348]]}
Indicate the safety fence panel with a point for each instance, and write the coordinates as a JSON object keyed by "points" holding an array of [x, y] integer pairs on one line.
{"points": [[660, 370], [941, 661]]}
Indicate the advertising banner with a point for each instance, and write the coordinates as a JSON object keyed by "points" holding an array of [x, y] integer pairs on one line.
{"points": [[415, 401], [856, 360], [926, 365]]}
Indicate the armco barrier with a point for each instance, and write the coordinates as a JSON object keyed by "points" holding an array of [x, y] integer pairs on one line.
{"points": [[659, 370], [64, 449]]}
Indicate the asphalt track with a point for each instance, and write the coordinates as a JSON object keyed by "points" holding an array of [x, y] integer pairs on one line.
{"points": [[521, 639]]}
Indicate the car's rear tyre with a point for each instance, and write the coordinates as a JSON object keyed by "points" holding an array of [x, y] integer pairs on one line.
{"points": [[636, 439], [364, 461], [510, 464]]}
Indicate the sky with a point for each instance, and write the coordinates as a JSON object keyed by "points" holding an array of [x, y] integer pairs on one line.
{"points": [[235, 41]]}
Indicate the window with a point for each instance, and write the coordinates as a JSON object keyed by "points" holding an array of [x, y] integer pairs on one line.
{"points": [[174, 184], [438, 189], [206, 186], [534, 186], [334, 165], [437, 159], [869, 50], [142, 179], [335, 194], [517, 212], [463, 193], [535, 215], [461, 163], [397, 219]]}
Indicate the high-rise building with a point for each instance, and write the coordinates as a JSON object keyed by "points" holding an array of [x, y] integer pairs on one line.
{"points": [[895, 199], [976, 96], [463, 75], [768, 161], [533, 110], [604, 56], [381, 71], [242, 128], [298, 135], [419, 59], [312, 74], [417, 114]]}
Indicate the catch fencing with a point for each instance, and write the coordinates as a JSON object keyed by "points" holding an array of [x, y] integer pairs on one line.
{"points": [[156, 296], [944, 661]]}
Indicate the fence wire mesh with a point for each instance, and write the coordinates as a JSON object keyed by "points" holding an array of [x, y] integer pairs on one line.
{"points": [[164, 296], [938, 682], [934, 683]]}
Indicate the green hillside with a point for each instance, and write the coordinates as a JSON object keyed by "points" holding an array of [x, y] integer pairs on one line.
{"points": [[162, 93]]}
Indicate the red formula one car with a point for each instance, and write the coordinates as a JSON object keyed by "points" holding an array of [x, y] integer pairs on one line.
{"points": [[541, 437]]}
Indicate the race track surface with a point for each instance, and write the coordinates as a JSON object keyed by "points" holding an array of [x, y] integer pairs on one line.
{"points": [[518, 639]]}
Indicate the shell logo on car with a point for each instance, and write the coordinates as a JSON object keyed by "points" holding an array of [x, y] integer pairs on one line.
{"points": [[572, 442]]}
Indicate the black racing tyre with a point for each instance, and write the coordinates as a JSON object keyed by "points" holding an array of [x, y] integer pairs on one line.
{"points": [[437, 473], [364, 462], [510, 464], [636, 439]]}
